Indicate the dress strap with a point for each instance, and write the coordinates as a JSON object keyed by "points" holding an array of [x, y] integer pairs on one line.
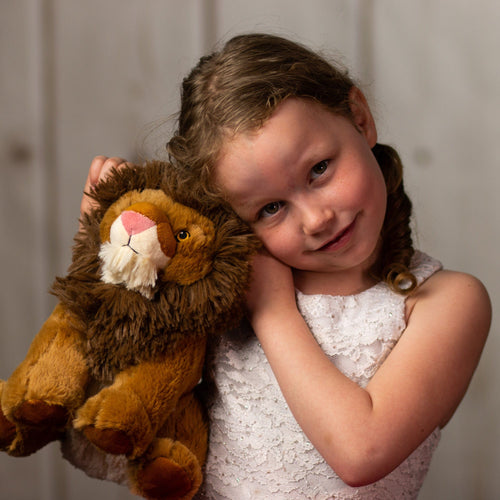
{"points": [[423, 266]]}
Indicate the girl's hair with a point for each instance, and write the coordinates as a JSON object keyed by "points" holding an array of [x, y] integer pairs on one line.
{"points": [[238, 88]]}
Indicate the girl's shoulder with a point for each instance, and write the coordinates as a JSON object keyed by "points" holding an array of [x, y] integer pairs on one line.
{"points": [[451, 290], [438, 286]]}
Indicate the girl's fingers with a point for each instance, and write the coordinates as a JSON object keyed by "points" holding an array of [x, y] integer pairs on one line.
{"points": [[100, 168]]}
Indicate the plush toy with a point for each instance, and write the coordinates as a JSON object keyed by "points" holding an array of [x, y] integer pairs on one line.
{"points": [[113, 372]]}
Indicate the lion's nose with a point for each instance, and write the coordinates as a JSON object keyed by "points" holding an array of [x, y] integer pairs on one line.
{"points": [[135, 223]]}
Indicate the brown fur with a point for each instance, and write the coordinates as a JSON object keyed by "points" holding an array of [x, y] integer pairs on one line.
{"points": [[124, 367]]}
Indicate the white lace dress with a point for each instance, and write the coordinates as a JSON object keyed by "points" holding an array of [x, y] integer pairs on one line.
{"points": [[258, 451]]}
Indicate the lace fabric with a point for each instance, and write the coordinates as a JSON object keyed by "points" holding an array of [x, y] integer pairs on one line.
{"points": [[257, 449]]}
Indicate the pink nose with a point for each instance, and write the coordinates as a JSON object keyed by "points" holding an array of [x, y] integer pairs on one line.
{"points": [[135, 223]]}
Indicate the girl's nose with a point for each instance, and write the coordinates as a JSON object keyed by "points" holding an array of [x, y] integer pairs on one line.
{"points": [[315, 218]]}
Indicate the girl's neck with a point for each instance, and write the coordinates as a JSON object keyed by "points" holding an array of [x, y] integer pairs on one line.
{"points": [[335, 283], [347, 281]]}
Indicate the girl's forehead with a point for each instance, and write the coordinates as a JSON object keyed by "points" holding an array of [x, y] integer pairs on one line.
{"points": [[284, 118], [290, 129], [252, 126], [297, 136]]}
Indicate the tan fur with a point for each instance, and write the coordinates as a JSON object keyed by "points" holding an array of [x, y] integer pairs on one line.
{"points": [[119, 369]]}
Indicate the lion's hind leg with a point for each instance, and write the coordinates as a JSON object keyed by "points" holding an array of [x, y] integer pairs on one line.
{"points": [[172, 467]]}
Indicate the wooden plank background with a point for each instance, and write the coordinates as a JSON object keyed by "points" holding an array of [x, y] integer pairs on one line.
{"points": [[102, 77]]}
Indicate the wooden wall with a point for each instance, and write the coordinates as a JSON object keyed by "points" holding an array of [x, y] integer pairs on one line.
{"points": [[102, 77]]}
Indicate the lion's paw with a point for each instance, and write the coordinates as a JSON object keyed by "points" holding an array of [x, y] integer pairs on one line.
{"points": [[7, 432], [168, 470], [163, 478], [41, 413], [116, 422], [109, 440]]}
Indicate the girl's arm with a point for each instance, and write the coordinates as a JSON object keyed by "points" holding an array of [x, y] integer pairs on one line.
{"points": [[364, 434]]}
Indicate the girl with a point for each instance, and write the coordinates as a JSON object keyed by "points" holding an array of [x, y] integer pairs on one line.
{"points": [[361, 348]]}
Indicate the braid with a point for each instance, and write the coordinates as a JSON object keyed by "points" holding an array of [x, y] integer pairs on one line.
{"points": [[397, 246]]}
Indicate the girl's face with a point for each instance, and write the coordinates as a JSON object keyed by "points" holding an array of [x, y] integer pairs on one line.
{"points": [[311, 188]]}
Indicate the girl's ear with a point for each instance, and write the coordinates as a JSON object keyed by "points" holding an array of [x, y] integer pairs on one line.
{"points": [[362, 116]]}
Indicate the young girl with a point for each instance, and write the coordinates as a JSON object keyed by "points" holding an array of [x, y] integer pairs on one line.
{"points": [[361, 348]]}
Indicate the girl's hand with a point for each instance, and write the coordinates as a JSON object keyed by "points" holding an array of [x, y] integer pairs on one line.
{"points": [[99, 169], [272, 290]]}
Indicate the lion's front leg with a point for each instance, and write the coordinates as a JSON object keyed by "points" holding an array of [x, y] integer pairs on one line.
{"points": [[124, 418], [47, 386]]}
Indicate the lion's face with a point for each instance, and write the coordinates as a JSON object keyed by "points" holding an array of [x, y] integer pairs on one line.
{"points": [[146, 236]]}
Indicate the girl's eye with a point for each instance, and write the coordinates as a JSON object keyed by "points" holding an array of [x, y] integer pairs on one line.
{"points": [[182, 235], [319, 169], [271, 209]]}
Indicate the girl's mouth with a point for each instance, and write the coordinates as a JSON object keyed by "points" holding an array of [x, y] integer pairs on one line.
{"points": [[340, 239]]}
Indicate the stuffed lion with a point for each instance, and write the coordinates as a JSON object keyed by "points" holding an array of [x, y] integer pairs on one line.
{"points": [[114, 371]]}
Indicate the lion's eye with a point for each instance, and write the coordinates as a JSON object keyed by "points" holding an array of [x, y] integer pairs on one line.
{"points": [[182, 235]]}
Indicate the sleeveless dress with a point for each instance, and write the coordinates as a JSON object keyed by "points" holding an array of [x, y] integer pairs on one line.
{"points": [[257, 450]]}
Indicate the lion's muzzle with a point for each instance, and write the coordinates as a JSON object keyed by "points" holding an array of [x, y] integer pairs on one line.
{"points": [[141, 243]]}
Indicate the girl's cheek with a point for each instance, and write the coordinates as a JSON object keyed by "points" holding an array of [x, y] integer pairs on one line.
{"points": [[264, 237], [280, 244]]}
